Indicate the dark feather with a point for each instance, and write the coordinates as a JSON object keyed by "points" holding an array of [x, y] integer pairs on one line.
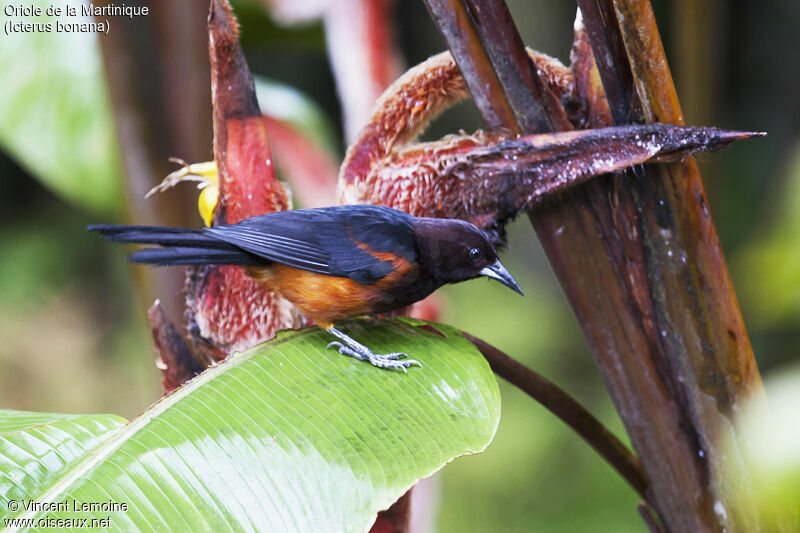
{"points": [[332, 240], [192, 256], [159, 235]]}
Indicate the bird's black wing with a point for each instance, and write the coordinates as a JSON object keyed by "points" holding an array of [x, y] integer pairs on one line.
{"points": [[340, 241]]}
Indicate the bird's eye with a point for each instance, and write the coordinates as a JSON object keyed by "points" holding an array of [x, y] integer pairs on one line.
{"points": [[475, 255]]}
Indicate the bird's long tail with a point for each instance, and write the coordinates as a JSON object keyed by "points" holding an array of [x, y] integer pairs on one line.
{"points": [[178, 246]]}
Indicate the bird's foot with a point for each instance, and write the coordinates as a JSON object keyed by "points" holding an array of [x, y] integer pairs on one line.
{"points": [[389, 360], [351, 348]]}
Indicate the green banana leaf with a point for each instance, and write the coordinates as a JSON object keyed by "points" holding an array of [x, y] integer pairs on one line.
{"points": [[55, 115], [289, 436]]}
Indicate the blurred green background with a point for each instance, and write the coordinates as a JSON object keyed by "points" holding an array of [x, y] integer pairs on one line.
{"points": [[73, 335]]}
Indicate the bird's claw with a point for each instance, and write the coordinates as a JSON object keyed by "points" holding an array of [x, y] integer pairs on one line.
{"points": [[389, 360], [394, 355]]}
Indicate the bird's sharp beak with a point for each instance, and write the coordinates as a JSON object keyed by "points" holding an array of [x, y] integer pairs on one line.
{"points": [[499, 272]]}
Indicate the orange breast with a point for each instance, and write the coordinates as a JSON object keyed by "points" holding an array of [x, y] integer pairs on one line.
{"points": [[326, 299]]}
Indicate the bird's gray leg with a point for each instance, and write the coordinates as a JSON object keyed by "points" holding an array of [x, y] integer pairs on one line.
{"points": [[353, 348]]}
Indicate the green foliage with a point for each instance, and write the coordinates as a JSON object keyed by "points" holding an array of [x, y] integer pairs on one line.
{"points": [[39, 448], [55, 117], [288, 436], [771, 261], [771, 455]]}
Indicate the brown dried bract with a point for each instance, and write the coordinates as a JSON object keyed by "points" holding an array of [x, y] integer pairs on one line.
{"points": [[416, 98], [487, 179], [404, 110]]}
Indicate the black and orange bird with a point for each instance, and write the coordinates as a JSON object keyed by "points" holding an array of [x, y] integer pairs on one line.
{"points": [[333, 262]]}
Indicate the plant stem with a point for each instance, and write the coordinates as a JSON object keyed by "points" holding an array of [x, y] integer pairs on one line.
{"points": [[641, 264], [457, 25], [569, 411], [650, 520], [696, 339], [535, 107]]}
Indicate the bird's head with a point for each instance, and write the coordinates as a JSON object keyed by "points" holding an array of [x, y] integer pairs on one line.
{"points": [[454, 250]]}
